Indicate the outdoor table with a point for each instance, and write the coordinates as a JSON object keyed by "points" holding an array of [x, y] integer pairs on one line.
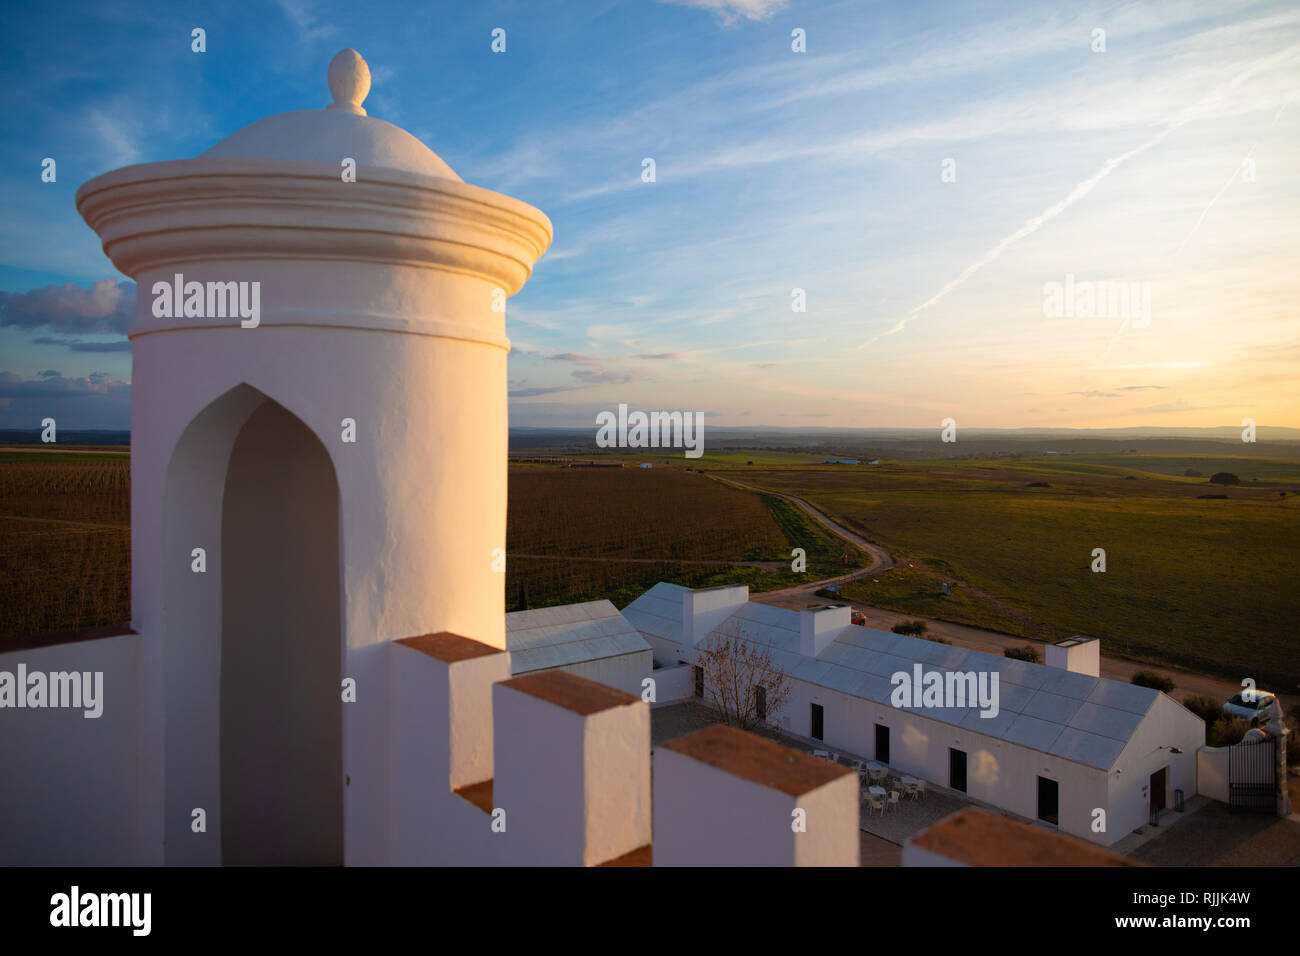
{"points": [[878, 791]]}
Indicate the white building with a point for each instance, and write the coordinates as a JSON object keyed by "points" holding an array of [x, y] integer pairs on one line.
{"points": [[592, 640], [1062, 746]]}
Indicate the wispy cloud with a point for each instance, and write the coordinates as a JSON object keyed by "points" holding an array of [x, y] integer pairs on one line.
{"points": [[1081, 190], [302, 14], [732, 11]]}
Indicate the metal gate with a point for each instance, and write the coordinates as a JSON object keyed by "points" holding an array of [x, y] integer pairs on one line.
{"points": [[1252, 775]]}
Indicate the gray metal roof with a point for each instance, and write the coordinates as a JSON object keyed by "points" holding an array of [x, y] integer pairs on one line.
{"points": [[658, 612], [1085, 719], [570, 634]]}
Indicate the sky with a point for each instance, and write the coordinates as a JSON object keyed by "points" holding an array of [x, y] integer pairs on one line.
{"points": [[917, 178]]}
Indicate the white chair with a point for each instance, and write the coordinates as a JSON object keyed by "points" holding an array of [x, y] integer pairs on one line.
{"points": [[823, 754], [877, 801], [893, 799], [919, 789]]}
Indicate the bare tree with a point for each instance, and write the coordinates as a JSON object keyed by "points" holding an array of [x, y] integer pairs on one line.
{"points": [[742, 683]]}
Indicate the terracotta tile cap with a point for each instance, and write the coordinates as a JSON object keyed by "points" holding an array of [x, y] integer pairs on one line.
{"points": [[757, 759], [578, 694], [449, 647], [978, 838], [479, 794]]}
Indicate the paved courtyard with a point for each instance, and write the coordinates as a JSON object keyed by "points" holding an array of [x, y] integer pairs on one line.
{"points": [[1211, 836]]}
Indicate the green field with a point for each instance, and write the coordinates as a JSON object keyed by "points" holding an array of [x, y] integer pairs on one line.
{"points": [[1205, 583]]}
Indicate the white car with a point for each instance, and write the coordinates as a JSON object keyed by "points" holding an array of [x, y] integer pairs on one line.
{"points": [[1262, 704]]}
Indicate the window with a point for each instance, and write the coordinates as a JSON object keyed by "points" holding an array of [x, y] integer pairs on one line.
{"points": [[957, 769], [699, 681], [1049, 801], [760, 702], [882, 743], [816, 722]]}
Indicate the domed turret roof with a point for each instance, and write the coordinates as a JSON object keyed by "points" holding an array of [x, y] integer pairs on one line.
{"points": [[341, 130]]}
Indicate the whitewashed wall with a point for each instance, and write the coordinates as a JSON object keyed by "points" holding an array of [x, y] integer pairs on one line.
{"points": [[1212, 773], [69, 785], [1167, 724], [674, 684], [997, 772], [625, 671]]}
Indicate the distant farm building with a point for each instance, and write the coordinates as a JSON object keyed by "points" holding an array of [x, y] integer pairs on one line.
{"points": [[840, 461], [645, 464]]}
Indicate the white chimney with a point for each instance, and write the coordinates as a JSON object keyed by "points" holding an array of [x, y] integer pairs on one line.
{"points": [[705, 609], [1082, 655], [819, 625]]}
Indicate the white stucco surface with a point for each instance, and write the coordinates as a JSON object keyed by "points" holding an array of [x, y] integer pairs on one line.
{"points": [[704, 816], [382, 317]]}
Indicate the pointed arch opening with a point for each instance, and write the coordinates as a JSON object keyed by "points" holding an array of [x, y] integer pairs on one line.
{"points": [[254, 642]]}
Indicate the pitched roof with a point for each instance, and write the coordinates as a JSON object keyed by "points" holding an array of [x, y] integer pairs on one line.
{"points": [[1085, 719], [658, 612], [569, 634]]}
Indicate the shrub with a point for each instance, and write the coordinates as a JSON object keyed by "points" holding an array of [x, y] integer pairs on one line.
{"points": [[1026, 652], [1153, 680], [914, 628], [1224, 478], [1226, 731], [1206, 708]]}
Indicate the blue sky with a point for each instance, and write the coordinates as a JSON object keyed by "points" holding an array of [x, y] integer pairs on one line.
{"points": [[1169, 159]]}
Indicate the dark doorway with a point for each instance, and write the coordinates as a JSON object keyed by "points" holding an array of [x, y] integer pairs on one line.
{"points": [[882, 743], [760, 702], [281, 739], [699, 681], [816, 722], [1049, 801], [957, 769], [1159, 781]]}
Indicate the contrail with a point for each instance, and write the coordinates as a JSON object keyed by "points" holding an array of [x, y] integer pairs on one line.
{"points": [[1178, 122], [1204, 212], [1224, 188]]}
